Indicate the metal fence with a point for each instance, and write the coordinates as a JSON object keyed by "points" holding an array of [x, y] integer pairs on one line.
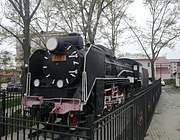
{"points": [[128, 122]]}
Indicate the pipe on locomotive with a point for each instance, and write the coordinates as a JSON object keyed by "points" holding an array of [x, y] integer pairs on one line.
{"points": [[59, 44]]}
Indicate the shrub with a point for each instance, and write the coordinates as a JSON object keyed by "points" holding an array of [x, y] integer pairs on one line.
{"points": [[169, 81]]}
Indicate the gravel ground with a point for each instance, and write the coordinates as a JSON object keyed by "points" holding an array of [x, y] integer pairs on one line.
{"points": [[166, 120]]}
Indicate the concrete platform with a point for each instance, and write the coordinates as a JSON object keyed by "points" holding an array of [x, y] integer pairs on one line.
{"points": [[166, 120]]}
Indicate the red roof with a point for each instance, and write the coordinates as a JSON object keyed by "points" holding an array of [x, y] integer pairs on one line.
{"points": [[4, 73], [162, 60]]}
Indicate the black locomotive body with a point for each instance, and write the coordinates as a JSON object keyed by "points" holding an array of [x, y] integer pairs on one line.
{"points": [[70, 80]]}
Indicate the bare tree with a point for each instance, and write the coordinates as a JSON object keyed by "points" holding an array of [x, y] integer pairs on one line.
{"points": [[67, 15], [84, 14], [112, 27], [44, 22], [22, 14], [162, 28]]}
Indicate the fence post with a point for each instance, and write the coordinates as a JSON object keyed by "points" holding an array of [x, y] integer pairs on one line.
{"points": [[2, 113], [132, 121], [145, 113], [89, 124]]}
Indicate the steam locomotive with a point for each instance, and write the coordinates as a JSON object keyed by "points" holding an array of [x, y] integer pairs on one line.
{"points": [[72, 80]]}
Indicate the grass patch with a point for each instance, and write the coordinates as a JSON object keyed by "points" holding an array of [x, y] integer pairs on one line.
{"points": [[16, 122], [11, 102]]}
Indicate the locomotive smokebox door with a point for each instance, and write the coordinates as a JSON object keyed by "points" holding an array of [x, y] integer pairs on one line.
{"points": [[95, 68], [35, 66]]}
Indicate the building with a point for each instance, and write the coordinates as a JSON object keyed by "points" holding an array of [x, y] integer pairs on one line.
{"points": [[177, 78], [163, 68], [8, 76], [175, 66]]}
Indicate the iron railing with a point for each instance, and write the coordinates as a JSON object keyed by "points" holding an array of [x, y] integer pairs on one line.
{"points": [[130, 121]]}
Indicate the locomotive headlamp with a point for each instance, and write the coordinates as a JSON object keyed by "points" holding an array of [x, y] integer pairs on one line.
{"points": [[52, 44], [60, 83], [36, 82]]}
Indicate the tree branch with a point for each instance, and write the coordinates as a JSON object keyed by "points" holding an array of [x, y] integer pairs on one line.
{"points": [[38, 34], [12, 34], [138, 39], [15, 7], [13, 20], [166, 43], [35, 9]]}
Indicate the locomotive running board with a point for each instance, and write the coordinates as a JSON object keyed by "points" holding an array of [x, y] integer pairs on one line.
{"points": [[61, 105]]}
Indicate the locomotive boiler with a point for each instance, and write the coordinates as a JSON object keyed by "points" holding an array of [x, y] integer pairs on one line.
{"points": [[72, 80]]}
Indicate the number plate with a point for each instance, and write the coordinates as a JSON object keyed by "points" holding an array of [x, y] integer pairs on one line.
{"points": [[59, 58]]}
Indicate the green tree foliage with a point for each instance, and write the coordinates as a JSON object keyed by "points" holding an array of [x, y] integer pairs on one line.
{"points": [[7, 60], [7, 64]]}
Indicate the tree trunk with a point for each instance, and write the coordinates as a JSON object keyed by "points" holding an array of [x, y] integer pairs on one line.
{"points": [[23, 79], [22, 9], [90, 36], [152, 70], [26, 48], [26, 44]]}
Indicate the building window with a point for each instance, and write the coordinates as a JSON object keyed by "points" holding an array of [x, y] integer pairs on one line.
{"points": [[148, 64]]}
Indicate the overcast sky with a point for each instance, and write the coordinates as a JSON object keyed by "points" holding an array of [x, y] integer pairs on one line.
{"points": [[138, 11]]}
